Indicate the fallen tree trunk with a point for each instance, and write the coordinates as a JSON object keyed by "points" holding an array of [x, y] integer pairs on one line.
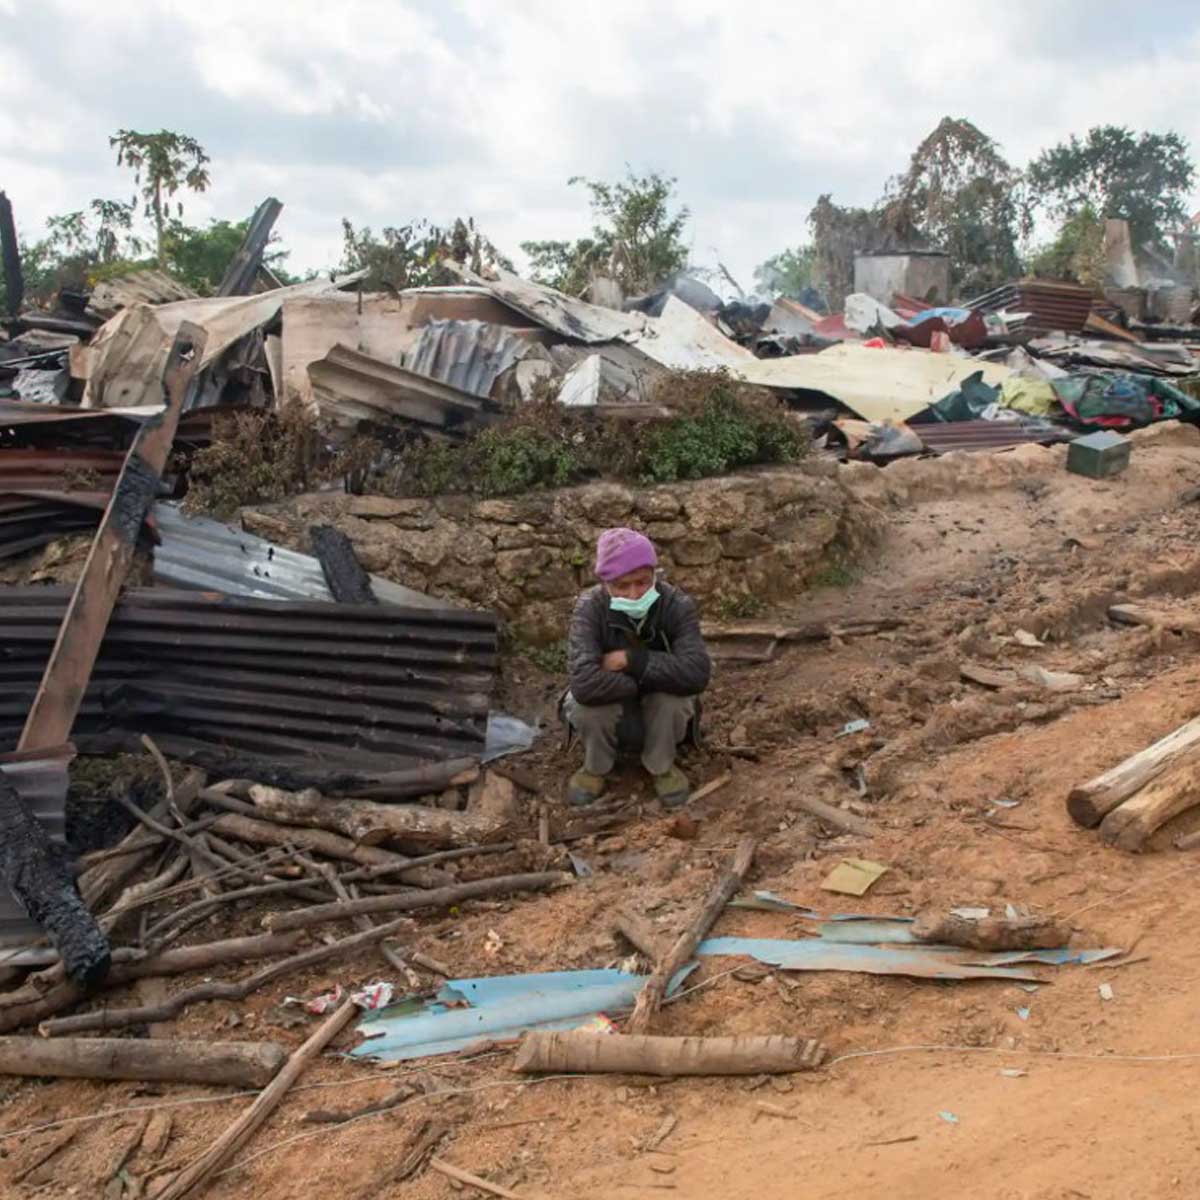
{"points": [[198, 1173], [1129, 827], [651, 996], [331, 845], [320, 914], [35, 871], [630, 1054], [838, 818], [1090, 803], [368, 823], [237, 1064]]}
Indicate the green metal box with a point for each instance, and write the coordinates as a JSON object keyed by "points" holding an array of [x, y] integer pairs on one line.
{"points": [[1098, 455]]}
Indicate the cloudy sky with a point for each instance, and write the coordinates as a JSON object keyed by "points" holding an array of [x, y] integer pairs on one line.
{"points": [[386, 110]]}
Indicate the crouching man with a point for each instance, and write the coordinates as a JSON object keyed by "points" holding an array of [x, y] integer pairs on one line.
{"points": [[636, 663]]}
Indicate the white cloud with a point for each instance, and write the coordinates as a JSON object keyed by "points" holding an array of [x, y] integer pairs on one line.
{"points": [[387, 110]]}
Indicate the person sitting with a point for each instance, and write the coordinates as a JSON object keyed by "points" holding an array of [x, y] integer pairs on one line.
{"points": [[635, 658]]}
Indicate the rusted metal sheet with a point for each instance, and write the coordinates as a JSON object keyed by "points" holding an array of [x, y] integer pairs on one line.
{"points": [[53, 710], [1052, 305], [29, 521], [139, 287], [364, 687], [61, 470], [41, 779], [469, 355], [984, 436]]}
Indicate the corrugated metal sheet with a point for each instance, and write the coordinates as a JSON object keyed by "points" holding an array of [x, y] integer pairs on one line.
{"points": [[59, 470], [365, 688], [984, 436], [1051, 305], [30, 521], [200, 554], [140, 287], [469, 355], [41, 778]]}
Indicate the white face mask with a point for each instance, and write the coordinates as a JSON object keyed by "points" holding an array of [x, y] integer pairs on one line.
{"points": [[637, 609]]}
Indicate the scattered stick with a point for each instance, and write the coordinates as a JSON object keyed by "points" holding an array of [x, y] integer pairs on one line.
{"points": [[237, 1064], [652, 943], [325, 1116], [1130, 826], [422, 1144], [1090, 803], [827, 814], [122, 1018], [452, 1172], [45, 1153], [710, 787], [202, 1170], [585, 1053], [651, 996], [305, 918], [431, 964]]}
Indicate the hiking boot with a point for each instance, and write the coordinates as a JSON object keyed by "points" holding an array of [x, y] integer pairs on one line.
{"points": [[584, 788], [672, 788]]}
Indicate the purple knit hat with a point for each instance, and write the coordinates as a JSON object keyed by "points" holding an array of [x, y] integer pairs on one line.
{"points": [[620, 551]]}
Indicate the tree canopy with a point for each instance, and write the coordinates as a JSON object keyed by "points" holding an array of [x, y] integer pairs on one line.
{"points": [[413, 255], [1143, 178], [636, 238]]}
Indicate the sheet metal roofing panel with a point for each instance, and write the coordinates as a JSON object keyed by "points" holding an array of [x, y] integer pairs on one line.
{"points": [[41, 779], [469, 355], [47, 470], [326, 683], [984, 436], [205, 555]]}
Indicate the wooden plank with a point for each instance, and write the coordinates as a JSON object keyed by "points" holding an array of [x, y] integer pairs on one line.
{"points": [[74, 655]]}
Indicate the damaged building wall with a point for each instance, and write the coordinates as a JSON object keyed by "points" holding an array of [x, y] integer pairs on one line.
{"points": [[926, 275], [759, 535]]}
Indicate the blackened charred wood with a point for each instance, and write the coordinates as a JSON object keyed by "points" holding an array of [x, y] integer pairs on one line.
{"points": [[36, 873], [239, 276], [14, 284], [344, 574]]}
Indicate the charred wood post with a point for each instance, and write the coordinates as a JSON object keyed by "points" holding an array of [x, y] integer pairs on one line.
{"points": [[344, 574], [243, 267], [14, 283], [36, 873]]}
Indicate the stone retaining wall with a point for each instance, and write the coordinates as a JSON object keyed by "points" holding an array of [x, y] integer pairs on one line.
{"points": [[760, 535]]}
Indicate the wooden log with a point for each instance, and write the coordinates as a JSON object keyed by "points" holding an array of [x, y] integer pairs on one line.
{"points": [[1090, 803], [331, 845], [1129, 827], [629, 1054], [420, 781], [70, 664], [651, 996], [196, 1176], [320, 914], [368, 823], [991, 933], [236, 1064], [1135, 614], [185, 959], [827, 814]]}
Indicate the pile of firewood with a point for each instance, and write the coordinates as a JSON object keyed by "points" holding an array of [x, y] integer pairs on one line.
{"points": [[1140, 795], [210, 849]]}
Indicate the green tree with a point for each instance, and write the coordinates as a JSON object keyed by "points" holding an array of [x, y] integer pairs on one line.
{"points": [[636, 238], [162, 164], [1077, 252], [1143, 178], [838, 234], [199, 257], [787, 273], [960, 195], [412, 255]]}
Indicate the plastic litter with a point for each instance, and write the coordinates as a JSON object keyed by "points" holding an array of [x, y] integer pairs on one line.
{"points": [[506, 735]]}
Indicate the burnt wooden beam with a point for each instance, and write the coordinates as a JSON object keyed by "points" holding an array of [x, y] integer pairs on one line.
{"points": [[86, 620], [14, 283], [243, 267]]}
